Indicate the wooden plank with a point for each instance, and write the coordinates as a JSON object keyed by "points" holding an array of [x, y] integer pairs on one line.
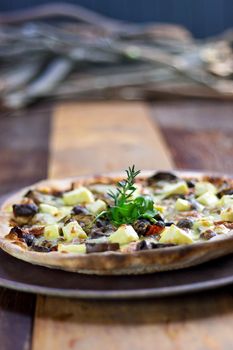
{"points": [[89, 138], [16, 319], [193, 115], [23, 148], [194, 322], [199, 135], [23, 160], [201, 321], [99, 137], [206, 150]]}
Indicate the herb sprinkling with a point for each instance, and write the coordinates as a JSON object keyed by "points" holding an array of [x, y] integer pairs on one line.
{"points": [[126, 208]]}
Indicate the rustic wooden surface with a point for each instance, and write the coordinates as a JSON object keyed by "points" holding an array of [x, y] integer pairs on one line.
{"points": [[23, 160], [199, 134], [90, 138], [104, 137], [24, 141], [196, 135], [193, 322]]}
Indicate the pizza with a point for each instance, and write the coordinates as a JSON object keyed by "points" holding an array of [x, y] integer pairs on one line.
{"points": [[131, 223]]}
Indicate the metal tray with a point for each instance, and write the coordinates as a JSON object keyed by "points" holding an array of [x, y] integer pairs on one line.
{"points": [[19, 275]]}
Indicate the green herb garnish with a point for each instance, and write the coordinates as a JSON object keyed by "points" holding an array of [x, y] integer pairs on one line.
{"points": [[126, 210]]}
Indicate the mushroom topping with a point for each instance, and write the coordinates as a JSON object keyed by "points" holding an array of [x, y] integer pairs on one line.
{"points": [[25, 209], [101, 247], [162, 176], [146, 245], [208, 234], [185, 223]]}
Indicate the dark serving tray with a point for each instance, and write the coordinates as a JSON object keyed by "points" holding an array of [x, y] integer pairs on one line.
{"points": [[19, 275], [23, 276]]}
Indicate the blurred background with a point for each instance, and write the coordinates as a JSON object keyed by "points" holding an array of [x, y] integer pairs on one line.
{"points": [[128, 50], [202, 17]]}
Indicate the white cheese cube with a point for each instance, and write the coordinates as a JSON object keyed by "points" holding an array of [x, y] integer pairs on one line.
{"points": [[80, 195], [176, 235], [51, 232], [73, 230], [97, 207], [124, 234], [72, 248], [47, 208]]}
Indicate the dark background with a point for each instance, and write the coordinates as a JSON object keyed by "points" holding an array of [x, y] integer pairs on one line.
{"points": [[202, 17]]}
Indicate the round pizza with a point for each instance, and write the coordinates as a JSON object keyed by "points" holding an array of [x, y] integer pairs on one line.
{"points": [[132, 223]]}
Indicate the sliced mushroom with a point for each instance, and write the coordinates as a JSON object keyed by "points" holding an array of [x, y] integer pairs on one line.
{"points": [[147, 245], [161, 176], [78, 209], [185, 223], [208, 234], [101, 247], [141, 226], [227, 191], [25, 210]]}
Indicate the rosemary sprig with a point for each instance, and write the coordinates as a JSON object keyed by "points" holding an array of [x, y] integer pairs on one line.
{"points": [[125, 188], [126, 210]]}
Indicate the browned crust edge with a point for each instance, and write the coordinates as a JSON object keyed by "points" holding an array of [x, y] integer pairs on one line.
{"points": [[115, 263]]}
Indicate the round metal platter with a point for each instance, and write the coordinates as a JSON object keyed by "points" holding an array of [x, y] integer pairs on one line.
{"points": [[19, 275]]}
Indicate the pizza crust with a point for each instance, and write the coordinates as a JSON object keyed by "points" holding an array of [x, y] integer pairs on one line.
{"points": [[114, 263]]}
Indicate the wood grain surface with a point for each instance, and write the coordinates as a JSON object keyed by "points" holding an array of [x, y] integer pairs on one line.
{"points": [[197, 135], [201, 322], [97, 137], [88, 138], [23, 160], [23, 148], [195, 322], [16, 319]]}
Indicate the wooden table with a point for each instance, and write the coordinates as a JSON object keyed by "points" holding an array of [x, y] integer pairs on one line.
{"points": [[70, 139]]}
